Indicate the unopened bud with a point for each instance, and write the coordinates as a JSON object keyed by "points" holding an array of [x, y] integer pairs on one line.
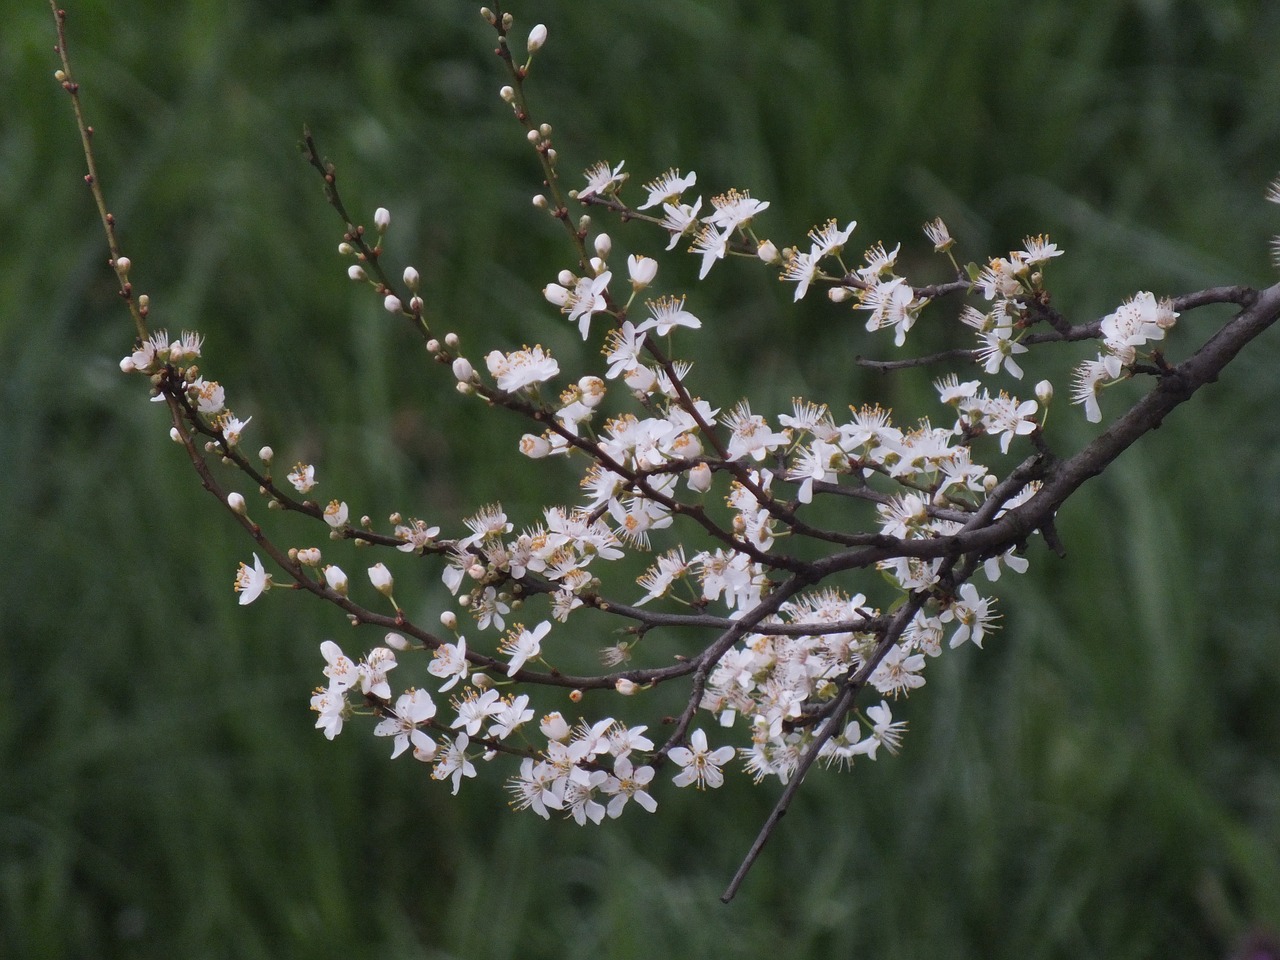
{"points": [[535, 447], [356, 272], [174, 435], [537, 37], [382, 218], [266, 454], [700, 478], [540, 201], [575, 696], [411, 278], [395, 641], [236, 502], [626, 687], [392, 304], [481, 681], [507, 93], [381, 579], [123, 264], [1044, 392], [463, 370], [346, 249], [449, 620], [336, 579], [604, 244]]}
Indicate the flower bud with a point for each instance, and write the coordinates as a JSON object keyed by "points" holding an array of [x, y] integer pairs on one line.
{"points": [[642, 270], [395, 641], [462, 370], [309, 556], [566, 278], [604, 245], [174, 435], [535, 447], [537, 37], [356, 272], [540, 201], [481, 681], [381, 579], [336, 579], [626, 687], [411, 278], [266, 454], [123, 264], [392, 304], [700, 478], [1044, 392], [575, 696], [768, 252], [382, 218], [593, 390], [127, 365], [555, 294], [236, 502], [838, 294], [451, 341], [449, 620]]}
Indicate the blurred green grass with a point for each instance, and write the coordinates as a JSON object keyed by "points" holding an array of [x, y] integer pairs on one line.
{"points": [[1103, 780]]}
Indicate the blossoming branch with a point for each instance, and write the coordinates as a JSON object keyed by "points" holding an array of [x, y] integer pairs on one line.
{"points": [[781, 663]]}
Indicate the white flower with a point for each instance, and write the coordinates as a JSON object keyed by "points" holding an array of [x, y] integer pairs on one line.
{"points": [[898, 672], [628, 783], [449, 663], [303, 477], [341, 670], [667, 188], [884, 732], [331, 705], [666, 313], [521, 368], [251, 583], [524, 645], [473, 709], [600, 179], [413, 708], [454, 763], [699, 765], [1086, 381], [973, 615], [335, 514]]}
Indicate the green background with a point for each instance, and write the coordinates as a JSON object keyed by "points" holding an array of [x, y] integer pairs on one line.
{"points": [[1102, 781]]}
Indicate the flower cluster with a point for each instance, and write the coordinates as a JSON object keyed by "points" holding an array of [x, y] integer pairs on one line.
{"points": [[1135, 322]]}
